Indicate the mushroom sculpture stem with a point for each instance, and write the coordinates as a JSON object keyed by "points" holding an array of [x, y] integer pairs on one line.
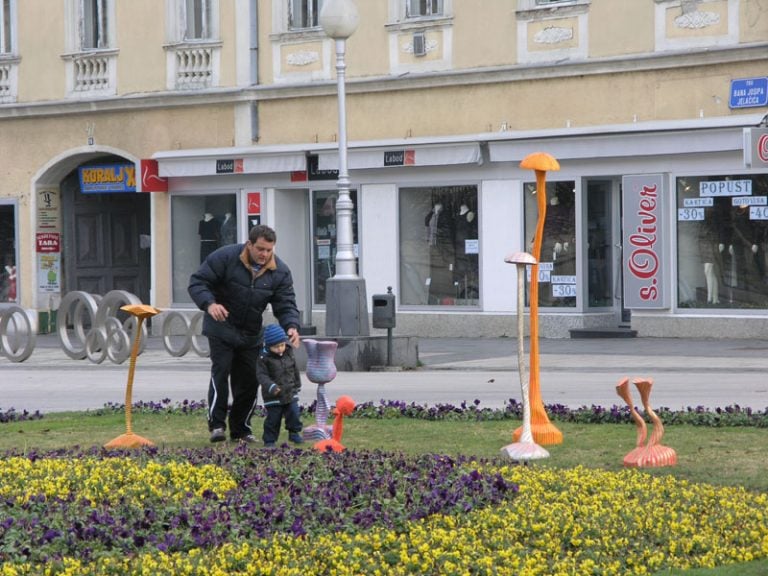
{"points": [[129, 439], [525, 449], [544, 432]]}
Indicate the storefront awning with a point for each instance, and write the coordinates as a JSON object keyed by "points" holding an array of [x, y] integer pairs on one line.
{"points": [[627, 140], [414, 155], [229, 161]]}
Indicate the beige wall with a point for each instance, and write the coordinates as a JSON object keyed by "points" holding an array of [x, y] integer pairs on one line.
{"points": [[41, 44], [140, 39], [753, 21], [620, 28], [485, 33], [679, 93]]}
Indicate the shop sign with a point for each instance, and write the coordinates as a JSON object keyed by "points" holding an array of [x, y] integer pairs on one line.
{"points": [[229, 166], [756, 147], [254, 209], [151, 181], [749, 92], [725, 188], [400, 158], [48, 242], [643, 254], [314, 172], [107, 178]]}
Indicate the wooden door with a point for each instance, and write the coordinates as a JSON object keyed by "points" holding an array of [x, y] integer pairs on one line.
{"points": [[106, 241]]}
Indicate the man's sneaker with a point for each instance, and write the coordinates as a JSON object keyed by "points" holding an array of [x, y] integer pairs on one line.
{"points": [[296, 438], [218, 435], [269, 444], [250, 439]]}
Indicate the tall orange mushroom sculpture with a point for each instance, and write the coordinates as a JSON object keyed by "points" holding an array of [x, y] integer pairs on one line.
{"points": [[129, 439], [544, 432]]}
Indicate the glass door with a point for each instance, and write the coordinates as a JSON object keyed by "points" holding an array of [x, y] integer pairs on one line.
{"points": [[603, 235]]}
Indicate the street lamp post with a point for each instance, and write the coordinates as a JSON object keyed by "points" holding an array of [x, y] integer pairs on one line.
{"points": [[345, 304]]}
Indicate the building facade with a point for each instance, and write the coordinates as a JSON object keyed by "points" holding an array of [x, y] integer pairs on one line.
{"points": [[135, 137]]}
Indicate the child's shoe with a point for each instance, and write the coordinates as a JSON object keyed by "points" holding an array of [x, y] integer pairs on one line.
{"points": [[296, 438]]}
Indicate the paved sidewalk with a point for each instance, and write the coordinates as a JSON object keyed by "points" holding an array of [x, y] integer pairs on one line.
{"points": [[578, 372]]}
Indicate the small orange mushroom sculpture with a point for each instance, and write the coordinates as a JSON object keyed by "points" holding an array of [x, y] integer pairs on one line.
{"points": [[344, 407], [544, 432], [129, 439]]}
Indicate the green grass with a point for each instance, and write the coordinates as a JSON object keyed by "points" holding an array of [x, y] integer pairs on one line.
{"points": [[727, 456]]}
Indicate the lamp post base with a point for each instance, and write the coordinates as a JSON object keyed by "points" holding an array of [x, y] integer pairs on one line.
{"points": [[346, 307]]}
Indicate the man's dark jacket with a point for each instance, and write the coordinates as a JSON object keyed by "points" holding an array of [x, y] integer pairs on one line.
{"points": [[226, 277]]}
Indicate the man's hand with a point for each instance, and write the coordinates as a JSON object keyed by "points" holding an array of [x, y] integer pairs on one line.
{"points": [[293, 337], [217, 312]]}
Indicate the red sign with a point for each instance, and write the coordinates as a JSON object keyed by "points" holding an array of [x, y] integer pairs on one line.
{"points": [[150, 178], [254, 203], [299, 176], [48, 242]]}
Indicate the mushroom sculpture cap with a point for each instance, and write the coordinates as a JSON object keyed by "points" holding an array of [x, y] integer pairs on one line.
{"points": [[540, 161], [140, 310], [520, 258]]}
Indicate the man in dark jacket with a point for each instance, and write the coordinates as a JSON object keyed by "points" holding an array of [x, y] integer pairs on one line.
{"points": [[233, 286]]}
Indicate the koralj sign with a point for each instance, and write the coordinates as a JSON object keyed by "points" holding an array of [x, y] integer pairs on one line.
{"points": [[644, 285], [107, 178]]}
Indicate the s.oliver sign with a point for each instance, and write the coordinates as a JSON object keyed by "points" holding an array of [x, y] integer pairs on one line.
{"points": [[644, 285]]}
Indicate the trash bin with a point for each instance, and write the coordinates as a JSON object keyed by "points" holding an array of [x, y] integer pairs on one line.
{"points": [[384, 310]]}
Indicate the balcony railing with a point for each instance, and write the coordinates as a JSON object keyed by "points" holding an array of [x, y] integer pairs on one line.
{"points": [[193, 67]]}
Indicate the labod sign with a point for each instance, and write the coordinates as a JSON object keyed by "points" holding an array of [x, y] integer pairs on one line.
{"points": [[643, 242]]}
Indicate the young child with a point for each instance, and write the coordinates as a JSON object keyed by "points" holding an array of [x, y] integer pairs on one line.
{"points": [[280, 383]]}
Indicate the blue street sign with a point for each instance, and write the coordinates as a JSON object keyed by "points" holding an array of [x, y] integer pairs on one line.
{"points": [[749, 92]]}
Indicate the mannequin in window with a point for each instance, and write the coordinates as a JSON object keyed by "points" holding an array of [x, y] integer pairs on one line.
{"points": [[465, 271], [558, 236], [228, 230], [209, 230], [713, 239], [745, 249], [440, 236]]}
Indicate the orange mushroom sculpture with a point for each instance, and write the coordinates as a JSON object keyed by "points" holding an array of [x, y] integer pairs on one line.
{"points": [[544, 432], [129, 439], [344, 407]]}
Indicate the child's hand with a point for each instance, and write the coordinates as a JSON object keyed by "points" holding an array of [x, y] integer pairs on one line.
{"points": [[276, 391]]}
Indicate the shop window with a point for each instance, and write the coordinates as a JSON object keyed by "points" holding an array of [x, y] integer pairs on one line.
{"points": [[722, 236], [439, 246], [8, 255], [199, 225], [324, 234], [304, 14], [557, 260]]}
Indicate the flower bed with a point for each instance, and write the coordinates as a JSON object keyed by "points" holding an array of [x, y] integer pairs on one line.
{"points": [[287, 511]]}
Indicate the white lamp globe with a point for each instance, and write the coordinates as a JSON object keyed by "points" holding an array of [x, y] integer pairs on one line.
{"points": [[339, 18]]}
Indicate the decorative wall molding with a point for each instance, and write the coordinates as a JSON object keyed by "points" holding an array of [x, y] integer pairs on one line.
{"points": [[302, 58], [553, 35], [696, 19]]}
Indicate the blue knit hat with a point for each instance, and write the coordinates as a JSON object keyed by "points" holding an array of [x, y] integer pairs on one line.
{"points": [[274, 334]]}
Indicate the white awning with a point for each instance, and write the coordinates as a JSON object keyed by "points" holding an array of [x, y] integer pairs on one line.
{"points": [[207, 162], [404, 155], [657, 138]]}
